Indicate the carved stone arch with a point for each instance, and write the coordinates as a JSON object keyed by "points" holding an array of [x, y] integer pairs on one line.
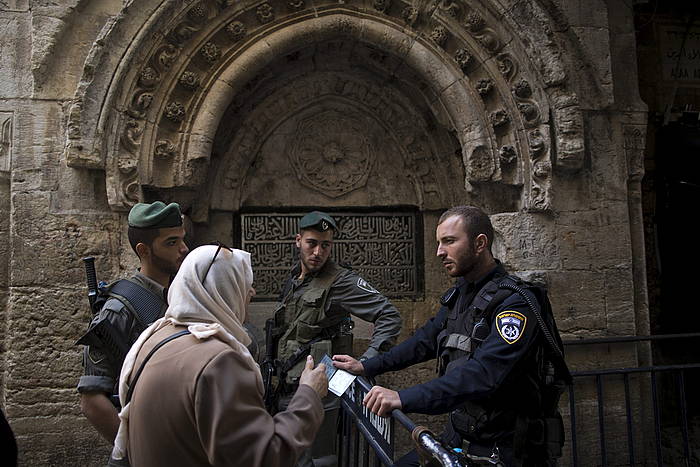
{"points": [[157, 119]]}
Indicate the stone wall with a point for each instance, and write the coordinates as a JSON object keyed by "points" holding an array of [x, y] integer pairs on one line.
{"points": [[527, 108]]}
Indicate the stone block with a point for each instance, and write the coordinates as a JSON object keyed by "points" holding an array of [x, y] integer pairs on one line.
{"points": [[525, 241], [15, 76], [48, 248], [578, 301]]}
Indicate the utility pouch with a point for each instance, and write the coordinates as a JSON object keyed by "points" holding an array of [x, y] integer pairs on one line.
{"points": [[317, 351], [468, 424], [306, 332], [554, 435]]}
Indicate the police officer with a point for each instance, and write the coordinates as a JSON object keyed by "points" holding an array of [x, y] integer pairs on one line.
{"points": [[156, 235], [490, 350], [313, 316]]}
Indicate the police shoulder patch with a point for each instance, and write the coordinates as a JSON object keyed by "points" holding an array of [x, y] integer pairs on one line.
{"points": [[510, 325], [364, 285]]}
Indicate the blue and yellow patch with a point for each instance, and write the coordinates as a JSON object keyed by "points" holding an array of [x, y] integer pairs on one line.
{"points": [[510, 325]]}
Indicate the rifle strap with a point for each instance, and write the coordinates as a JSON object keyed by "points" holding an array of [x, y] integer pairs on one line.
{"points": [[160, 344]]}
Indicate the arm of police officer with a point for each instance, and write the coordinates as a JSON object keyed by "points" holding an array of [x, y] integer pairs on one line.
{"points": [[100, 377], [495, 359], [356, 296], [418, 348]]}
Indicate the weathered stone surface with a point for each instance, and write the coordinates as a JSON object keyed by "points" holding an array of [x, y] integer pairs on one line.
{"points": [[322, 104]]}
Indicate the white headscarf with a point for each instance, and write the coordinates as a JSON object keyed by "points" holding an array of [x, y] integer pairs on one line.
{"points": [[215, 307]]}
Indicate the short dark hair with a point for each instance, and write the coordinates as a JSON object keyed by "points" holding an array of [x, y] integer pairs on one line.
{"points": [[476, 221], [139, 235]]}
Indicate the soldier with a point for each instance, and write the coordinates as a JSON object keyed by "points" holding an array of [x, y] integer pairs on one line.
{"points": [[156, 235], [501, 368], [313, 316]]}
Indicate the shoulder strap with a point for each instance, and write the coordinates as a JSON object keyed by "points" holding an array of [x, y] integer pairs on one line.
{"points": [[148, 357], [142, 302], [550, 335]]}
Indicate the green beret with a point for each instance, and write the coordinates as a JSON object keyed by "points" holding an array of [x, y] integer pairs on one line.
{"points": [[156, 215], [317, 220]]}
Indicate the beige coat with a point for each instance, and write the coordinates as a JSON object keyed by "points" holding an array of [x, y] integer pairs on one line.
{"points": [[198, 402]]}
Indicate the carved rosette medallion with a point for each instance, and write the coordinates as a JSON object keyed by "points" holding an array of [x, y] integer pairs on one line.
{"points": [[175, 112], [265, 13], [331, 153], [484, 87], [211, 52], [463, 59], [189, 80], [236, 30]]}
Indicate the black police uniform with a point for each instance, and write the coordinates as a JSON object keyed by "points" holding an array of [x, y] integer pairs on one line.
{"points": [[488, 393]]}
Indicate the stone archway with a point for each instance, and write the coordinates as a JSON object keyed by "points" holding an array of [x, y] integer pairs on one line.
{"points": [[470, 67]]}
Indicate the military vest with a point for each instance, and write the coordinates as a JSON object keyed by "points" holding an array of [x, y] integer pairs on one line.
{"points": [[306, 326]]}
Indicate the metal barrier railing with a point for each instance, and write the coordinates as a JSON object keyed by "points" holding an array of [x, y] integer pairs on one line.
{"points": [[645, 393], [366, 439]]}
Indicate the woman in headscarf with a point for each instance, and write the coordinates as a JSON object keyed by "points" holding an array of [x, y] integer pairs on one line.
{"points": [[199, 397]]}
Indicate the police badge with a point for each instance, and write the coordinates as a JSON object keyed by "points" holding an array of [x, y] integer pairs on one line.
{"points": [[510, 325]]}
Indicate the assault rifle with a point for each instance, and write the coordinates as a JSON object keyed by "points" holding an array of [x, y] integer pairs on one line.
{"points": [[268, 366]]}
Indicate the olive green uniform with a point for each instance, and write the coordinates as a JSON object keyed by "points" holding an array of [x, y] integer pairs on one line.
{"points": [[320, 303]]}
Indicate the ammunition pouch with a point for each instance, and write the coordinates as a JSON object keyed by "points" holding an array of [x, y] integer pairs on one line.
{"points": [[468, 422]]}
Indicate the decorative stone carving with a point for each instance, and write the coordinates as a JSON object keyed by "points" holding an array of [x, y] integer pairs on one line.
{"points": [[522, 89], [236, 30], [499, 118], [265, 13], [381, 5], [131, 135], [182, 33], [165, 56], [211, 52], [530, 113], [439, 35], [331, 153], [634, 145], [410, 15], [5, 141], [381, 247], [463, 58], [165, 150], [507, 66], [175, 112], [199, 12], [148, 77], [140, 103], [450, 7], [296, 4], [507, 155], [537, 143], [568, 123], [484, 86], [189, 80], [474, 22]]}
